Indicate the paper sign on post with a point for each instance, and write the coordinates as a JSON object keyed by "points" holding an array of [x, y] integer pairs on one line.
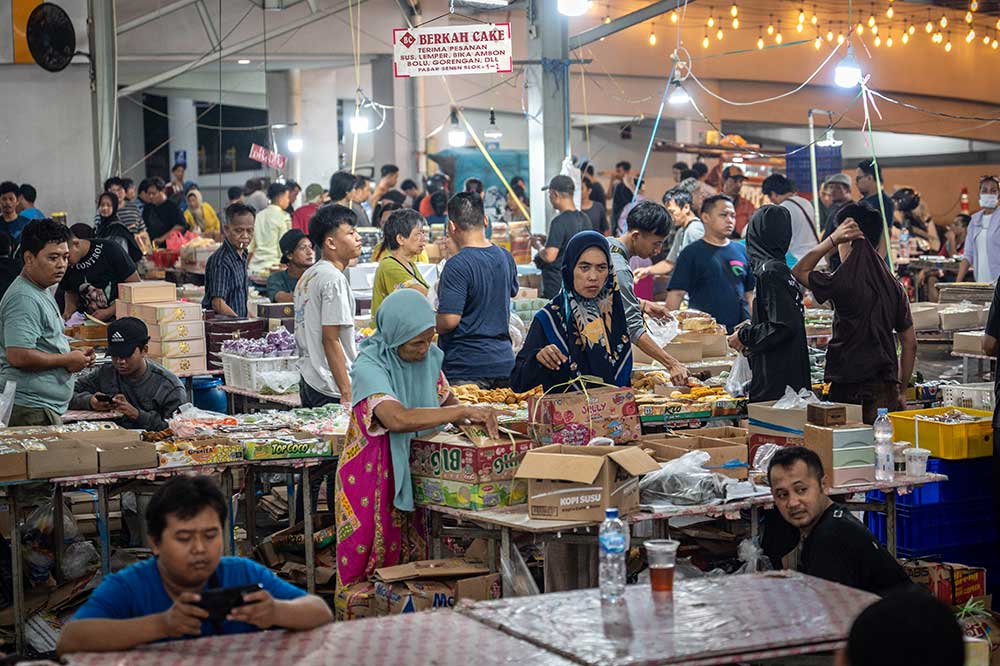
{"points": [[267, 157], [465, 49]]}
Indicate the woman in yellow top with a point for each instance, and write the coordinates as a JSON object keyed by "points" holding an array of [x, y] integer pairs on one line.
{"points": [[404, 238], [383, 209], [200, 215]]}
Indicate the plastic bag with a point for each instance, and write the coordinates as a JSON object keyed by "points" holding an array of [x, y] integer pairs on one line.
{"points": [[7, 401], [762, 457], [37, 531], [193, 422], [752, 557], [793, 400], [683, 481], [516, 572], [663, 331], [518, 332], [739, 377], [279, 382], [80, 559]]}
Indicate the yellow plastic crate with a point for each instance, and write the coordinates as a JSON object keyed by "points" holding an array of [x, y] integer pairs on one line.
{"points": [[952, 441]]}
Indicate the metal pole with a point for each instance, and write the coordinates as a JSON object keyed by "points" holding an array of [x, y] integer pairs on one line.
{"points": [[307, 529], [812, 170], [17, 569]]}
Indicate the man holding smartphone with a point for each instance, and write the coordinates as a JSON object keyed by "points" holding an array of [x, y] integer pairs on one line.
{"points": [[162, 598]]}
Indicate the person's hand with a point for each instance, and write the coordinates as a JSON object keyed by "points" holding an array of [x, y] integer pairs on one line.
{"points": [[486, 416], [183, 618], [640, 273], [848, 231], [345, 398], [734, 342], [77, 360], [678, 373], [260, 610], [122, 404], [902, 398], [99, 405], [657, 310], [550, 357]]}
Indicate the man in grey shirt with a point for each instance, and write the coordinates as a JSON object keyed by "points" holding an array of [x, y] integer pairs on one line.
{"points": [[689, 229], [145, 393], [647, 225]]}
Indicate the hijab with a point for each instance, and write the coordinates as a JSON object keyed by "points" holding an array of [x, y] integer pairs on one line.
{"points": [[591, 332], [197, 211], [111, 196], [404, 315], [769, 235]]}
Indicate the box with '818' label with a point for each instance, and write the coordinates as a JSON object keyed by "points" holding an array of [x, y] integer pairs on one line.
{"points": [[472, 458]]}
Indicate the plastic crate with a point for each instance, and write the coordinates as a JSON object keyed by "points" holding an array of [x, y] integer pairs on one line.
{"points": [[970, 479], [972, 396], [954, 441], [986, 555], [246, 373], [924, 528]]}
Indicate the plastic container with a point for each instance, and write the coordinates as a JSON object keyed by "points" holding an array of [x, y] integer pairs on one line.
{"points": [[967, 480], [916, 461], [953, 441], [936, 526], [971, 396], [613, 541], [245, 373], [208, 395]]}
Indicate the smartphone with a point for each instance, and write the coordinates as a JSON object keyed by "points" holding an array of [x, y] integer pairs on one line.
{"points": [[221, 600], [104, 397]]}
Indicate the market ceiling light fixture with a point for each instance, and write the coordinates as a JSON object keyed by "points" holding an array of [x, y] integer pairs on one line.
{"points": [[359, 123], [944, 21], [890, 12], [295, 145], [492, 132], [652, 35], [678, 96], [456, 135], [572, 7], [734, 11], [848, 71], [243, 61], [736, 23], [674, 17]]}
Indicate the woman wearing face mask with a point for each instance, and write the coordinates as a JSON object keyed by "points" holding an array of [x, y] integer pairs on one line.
{"points": [[982, 244], [583, 331], [398, 391], [111, 228]]}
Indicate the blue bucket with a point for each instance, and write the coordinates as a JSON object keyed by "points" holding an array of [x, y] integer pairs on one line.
{"points": [[208, 395]]}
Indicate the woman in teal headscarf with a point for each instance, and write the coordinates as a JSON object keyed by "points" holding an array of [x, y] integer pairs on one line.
{"points": [[398, 391]]}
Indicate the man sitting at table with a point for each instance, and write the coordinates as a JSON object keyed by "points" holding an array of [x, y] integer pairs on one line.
{"points": [[226, 278], [157, 599], [833, 545], [147, 394], [297, 255]]}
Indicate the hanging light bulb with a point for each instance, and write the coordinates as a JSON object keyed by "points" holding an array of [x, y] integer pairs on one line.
{"points": [[705, 42], [878, 41], [760, 40], [770, 25], [970, 36], [652, 35], [875, 29], [734, 11], [799, 27], [711, 19], [944, 21], [841, 39], [994, 44], [905, 38], [829, 35], [607, 19], [871, 19], [719, 34], [359, 123], [674, 16], [937, 38], [736, 23], [947, 47], [968, 17], [492, 132], [986, 39], [678, 96], [860, 29], [295, 145], [814, 19], [777, 36], [848, 72], [890, 12], [818, 42], [912, 29], [998, 24], [888, 41], [929, 28], [974, 6], [456, 135], [802, 15]]}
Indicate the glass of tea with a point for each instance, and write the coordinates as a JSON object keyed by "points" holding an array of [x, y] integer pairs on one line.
{"points": [[662, 556]]}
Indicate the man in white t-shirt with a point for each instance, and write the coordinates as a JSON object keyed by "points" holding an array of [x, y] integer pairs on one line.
{"points": [[781, 192], [325, 308]]}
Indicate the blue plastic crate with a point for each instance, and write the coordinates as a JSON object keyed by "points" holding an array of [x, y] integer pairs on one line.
{"points": [[969, 479], [938, 526], [986, 555]]}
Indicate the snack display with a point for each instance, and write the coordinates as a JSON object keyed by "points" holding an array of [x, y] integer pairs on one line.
{"points": [[276, 343], [473, 395]]}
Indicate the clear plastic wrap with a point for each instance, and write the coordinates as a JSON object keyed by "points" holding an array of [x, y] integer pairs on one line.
{"points": [[38, 548], [762, 457], [739, 377], [793, 400], [517, 574], [663, 331], [79, 560], [683, 481], [517, 330], [752, 557]]}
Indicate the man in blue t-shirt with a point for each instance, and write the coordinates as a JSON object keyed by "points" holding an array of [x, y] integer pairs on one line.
{"points": [[715, 272], [158, 599], [474, 293]]}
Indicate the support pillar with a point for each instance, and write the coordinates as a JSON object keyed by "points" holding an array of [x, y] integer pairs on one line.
{"points": [[548, 103], [383, 91], [183, 128], [104, 89], [685, 131], [295, 120]]}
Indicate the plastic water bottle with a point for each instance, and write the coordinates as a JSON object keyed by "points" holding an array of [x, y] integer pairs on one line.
{"points": [[904, 243], [613, 540], [885, 465]]}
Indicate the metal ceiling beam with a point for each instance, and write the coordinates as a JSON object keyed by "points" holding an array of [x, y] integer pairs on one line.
{"points": [[624, 22], [206, 20], [153, 15], [249, 43]]}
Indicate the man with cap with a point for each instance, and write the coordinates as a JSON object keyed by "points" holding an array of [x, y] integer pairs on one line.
{"points": [[732, 182], [147, 394], [304, 213], [839, 186], [297, 255], [567, 223]]}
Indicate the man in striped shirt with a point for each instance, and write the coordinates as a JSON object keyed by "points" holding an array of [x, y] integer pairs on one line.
{"points": [[226, 279]]}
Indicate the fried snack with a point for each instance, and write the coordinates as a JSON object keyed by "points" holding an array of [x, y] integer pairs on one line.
{"points": [[473, 395]]}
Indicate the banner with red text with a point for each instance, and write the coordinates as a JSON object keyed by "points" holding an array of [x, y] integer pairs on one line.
{"points": [[464, 49], [267, 157]]}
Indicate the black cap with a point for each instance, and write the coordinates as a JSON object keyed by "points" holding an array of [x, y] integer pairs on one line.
{"points": [[561, 184], [125, 335], [289, 242]]}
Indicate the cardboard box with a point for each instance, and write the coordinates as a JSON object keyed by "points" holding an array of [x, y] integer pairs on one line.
{"points": [[724, 457], [293, 539], [13, 461], [471, 496], [165, 313], [431, 584], [925, 316], [354, 601], [184, 330], [120, 450], [725, 433], [204, 452], [59, 455], [826, 414], [579, 483], [287, 324], [784, 427], [277, 448], [525, 292], [576, 418], [952, 584], [966, 318], [183, 364], [276, 310], [471, 457], [827, 441], [852, 476], [712, 345], [177, 348], [970, 342], [148, 291]]}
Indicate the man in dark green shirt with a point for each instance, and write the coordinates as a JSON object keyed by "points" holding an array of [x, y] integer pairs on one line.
{"points": [[297, 255], [146, 393]]}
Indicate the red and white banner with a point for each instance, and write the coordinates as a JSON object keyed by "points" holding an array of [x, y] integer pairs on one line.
{"points": [[464, 49], [267, 157]]}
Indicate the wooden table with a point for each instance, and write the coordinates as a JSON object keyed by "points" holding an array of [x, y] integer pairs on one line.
{"points": [[251, 402]]}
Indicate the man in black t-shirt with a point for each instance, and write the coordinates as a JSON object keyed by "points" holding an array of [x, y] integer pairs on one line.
{"points": [[96, 268], [564, 226], [835, 546], [161, 214]]}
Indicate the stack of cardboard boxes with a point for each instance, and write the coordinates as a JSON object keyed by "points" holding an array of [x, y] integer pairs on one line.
{"points": [[44, 453], [784, 427], [846, 448], [176, 329]]}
